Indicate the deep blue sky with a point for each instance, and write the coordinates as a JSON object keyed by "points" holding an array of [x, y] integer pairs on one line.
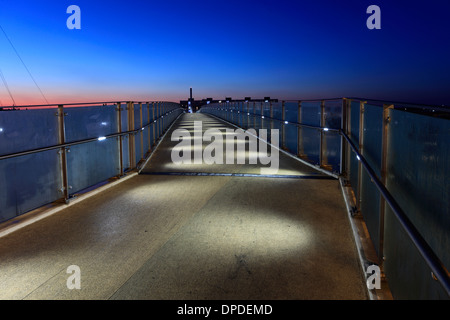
{"points": [[156, 50]]}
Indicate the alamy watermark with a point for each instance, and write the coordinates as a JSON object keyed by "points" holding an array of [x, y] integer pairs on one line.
{"points": [[74, 20], [374, 279], [374, 20], [222, 150], [74, 280]]}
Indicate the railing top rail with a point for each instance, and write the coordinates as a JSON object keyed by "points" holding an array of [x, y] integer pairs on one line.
{"points": [[311, 100], [368, 100], [82, 104], [400, 103]]}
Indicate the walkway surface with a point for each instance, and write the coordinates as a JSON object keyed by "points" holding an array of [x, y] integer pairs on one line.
{"points": [[183, 232]]}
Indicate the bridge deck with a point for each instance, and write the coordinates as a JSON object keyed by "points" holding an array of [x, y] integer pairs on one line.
{"points": [[170, 233]]}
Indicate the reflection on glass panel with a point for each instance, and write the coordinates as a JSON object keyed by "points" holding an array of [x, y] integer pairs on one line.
{"points": [[91, 163], [333, 112], [125, 154], [23, 130], [291, 109], [28, 182], [277, 110], [354, 122], [370, 196], [124, 118], [90, 122], [291, 138], [145, 140], [137, 116], [417, 174], [145, 113], [311, 113], [373, 125], [354, 137], [138, 148], [266, 109], [311, 144], [370, 208], [408, 273], [332, 150]]}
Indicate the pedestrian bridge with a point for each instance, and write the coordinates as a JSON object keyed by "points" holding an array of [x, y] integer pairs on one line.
{"points": [[102, 189]]}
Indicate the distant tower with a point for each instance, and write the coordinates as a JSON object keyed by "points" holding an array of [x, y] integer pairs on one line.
{"points": [[191, 102]]}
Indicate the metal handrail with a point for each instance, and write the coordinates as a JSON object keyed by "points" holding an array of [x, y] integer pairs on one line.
{"points": [[447, 108], [437, 267], [77, 104]]}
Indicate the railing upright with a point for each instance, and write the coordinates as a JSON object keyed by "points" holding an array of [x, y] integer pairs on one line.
{"points": [[120, 138], [63, 153]]}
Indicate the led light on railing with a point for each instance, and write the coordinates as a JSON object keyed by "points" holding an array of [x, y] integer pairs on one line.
{"points": [[142, 129], [104, 123], [248, 113], [357, 157], [262, 117], [1, 129], [325, 129], [101, 138], [286, 122]]}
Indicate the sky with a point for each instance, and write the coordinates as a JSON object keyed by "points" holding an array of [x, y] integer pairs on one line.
{"points": [[156, 50]]}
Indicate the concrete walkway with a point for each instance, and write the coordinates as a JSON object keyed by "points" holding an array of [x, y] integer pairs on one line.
{"points": [[183, 232]]}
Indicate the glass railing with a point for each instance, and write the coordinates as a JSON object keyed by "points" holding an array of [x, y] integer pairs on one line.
{"points": [[52, 152], [308, 129], [394, 157]]}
